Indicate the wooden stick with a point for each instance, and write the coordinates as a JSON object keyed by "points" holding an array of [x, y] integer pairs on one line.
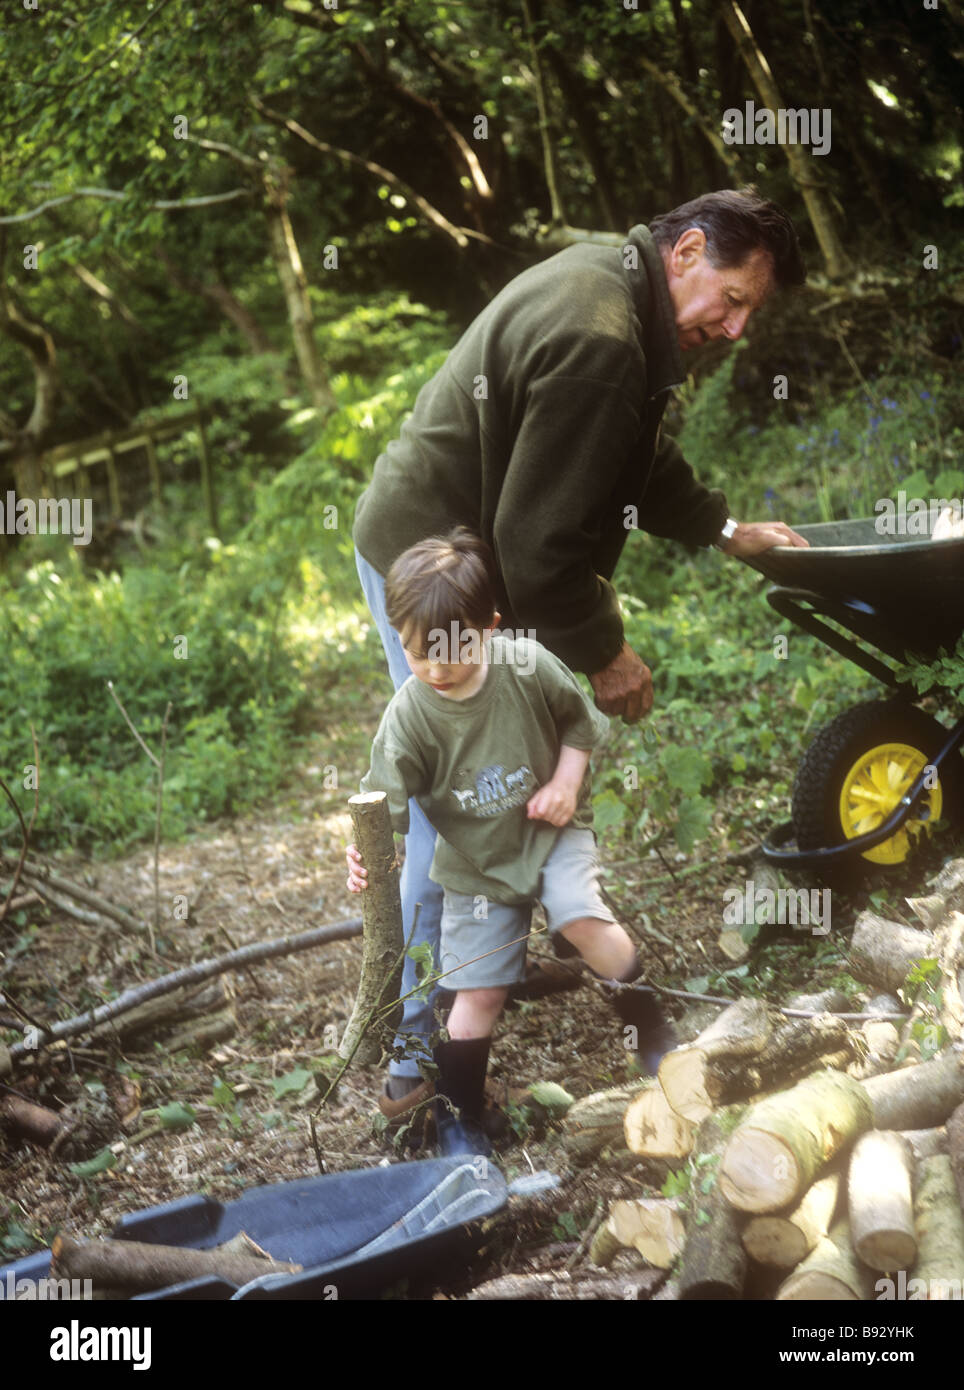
{"points": [[383, 939]]}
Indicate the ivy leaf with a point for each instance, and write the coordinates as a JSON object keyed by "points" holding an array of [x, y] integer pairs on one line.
{"points": [[176, 1115], [291, 1082]]}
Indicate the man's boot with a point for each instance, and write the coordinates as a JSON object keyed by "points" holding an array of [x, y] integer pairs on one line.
{"points": [[459, 1092], [654, 1035]]}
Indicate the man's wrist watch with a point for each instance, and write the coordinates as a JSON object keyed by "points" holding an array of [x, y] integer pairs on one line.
{"points": [[729, 530]]}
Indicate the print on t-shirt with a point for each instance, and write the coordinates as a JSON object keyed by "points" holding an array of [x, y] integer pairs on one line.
{"points": [[493, 793]]}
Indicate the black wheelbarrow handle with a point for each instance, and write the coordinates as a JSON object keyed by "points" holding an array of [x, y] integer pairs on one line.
{"points": [[815, 858]]}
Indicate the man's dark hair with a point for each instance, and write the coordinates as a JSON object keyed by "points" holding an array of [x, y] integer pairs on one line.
{"points": [[736, 222], [440, 581]]}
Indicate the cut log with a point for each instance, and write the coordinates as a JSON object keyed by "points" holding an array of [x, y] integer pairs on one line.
{"points": [[382, 938], [884, 1004], [764, 1051], [135, 1265], [881, 1041], [714, 1261], [741, 1030], [653, 1129], [882, 952], [556, 1284], [918, 1097], [782, 1241], [950, 954], [880, 1201], [831, 1272], [925, 1143], [28, 1121], [596, 1122], [651, 1225], [940, 1231], [955, 1149], [786, 1140], [827, 1001]]}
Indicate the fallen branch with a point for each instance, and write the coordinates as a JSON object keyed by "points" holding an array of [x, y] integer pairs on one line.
{"points": [[190, 974]]}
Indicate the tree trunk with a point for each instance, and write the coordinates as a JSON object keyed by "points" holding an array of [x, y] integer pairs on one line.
{"points": [[785, 1140], [294, 285], [880, 1201], [802, 167], [383, 937]]}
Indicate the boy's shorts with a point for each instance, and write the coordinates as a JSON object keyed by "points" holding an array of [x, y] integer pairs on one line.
{"points": [[568, 890]]}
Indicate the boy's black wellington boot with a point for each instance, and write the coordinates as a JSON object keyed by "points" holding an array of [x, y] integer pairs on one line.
{"points": [[459, 1093], [655, 1035]]}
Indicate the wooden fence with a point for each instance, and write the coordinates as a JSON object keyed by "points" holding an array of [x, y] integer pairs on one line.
{"points": [[73, 460]]}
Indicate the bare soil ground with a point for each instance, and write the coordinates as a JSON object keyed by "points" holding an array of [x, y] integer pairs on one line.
{"points": [[249, 880]]}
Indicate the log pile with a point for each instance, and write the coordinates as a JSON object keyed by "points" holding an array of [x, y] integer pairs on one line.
{"points": [[820, 1152]]}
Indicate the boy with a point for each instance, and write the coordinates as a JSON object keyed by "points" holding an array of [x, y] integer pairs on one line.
{"points": [[492, 738]]}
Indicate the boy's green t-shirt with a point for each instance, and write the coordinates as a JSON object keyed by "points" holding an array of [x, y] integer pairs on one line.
{"points": [[473, 764]]}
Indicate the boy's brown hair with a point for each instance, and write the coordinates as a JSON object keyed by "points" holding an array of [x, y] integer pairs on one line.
{"points": [[442, 580]]}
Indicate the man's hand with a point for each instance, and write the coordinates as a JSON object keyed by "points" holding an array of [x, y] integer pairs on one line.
{"points": [[624, 687], [555, 802], [357, 873], [750, 537]]}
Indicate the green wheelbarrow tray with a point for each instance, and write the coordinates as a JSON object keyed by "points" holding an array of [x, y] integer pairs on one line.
{"points": [[898, 595]]}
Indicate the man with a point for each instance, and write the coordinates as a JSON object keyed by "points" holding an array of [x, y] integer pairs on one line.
{"points": [[541, 432]]}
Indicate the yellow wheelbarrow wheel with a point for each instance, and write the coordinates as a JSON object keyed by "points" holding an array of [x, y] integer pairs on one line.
{"points": [[872, 791], [854, 773]]}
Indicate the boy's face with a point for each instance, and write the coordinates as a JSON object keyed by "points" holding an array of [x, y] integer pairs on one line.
{"points": [[451, 662]]}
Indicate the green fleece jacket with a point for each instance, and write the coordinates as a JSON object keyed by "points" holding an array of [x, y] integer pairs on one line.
{"points": [[539, 431]]}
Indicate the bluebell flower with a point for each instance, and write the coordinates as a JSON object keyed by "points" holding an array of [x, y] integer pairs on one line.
{"points": [[835, 438], [925, 395], [874, 422], [889, 404]]}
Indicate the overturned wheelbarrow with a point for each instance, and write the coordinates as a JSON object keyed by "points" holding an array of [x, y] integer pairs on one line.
{"points": [[355, 1234], [884, 770]]}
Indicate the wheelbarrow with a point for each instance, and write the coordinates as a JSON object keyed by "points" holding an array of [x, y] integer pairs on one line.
{"points": [[355, 1234], [884, 771]]}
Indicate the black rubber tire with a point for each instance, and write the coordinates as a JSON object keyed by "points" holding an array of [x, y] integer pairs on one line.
{"points": [[833, 752]]}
